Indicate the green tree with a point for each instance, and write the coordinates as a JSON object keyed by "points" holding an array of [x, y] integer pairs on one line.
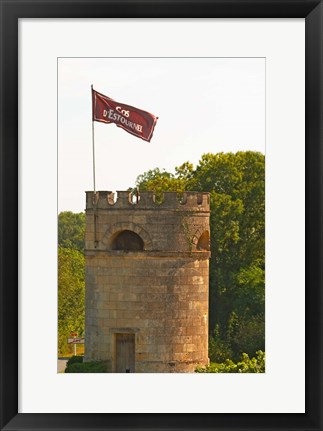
{"points": [[162, 181], [71, 292], [71, 230]]}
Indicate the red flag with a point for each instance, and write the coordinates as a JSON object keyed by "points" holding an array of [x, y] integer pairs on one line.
{"points": [[135, 121]]}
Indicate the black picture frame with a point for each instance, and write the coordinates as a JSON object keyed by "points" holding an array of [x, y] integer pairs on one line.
{"points": [[11, 11]]}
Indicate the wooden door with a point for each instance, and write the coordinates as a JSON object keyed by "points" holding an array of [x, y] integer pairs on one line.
{"points": [[125, 353]]}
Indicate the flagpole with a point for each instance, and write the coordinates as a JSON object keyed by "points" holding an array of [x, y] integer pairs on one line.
{"points": [[93, 151], [94, 189]]}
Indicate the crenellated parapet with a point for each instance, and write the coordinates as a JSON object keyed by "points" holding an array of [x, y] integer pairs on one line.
{"points": [[185, 201]]}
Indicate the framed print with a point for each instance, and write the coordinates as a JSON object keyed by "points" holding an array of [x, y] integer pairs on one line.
{"points": [[241, 71]]}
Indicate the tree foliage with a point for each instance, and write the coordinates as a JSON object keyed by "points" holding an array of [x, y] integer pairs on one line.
{"points": [[71, 291], [71, 230]]}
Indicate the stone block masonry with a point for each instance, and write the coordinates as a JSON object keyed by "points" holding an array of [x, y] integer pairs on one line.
{"points": [[147, 278]]}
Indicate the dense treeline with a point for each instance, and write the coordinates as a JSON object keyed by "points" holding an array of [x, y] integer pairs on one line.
{"points": [[71, 278], [236, 183]]}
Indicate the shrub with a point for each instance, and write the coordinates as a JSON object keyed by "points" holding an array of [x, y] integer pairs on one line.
{"points": [[246, 365], [87, 367], [74, 360]]}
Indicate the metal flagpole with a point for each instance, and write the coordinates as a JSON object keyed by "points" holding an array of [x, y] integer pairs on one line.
{"points": [[94, 189], [93, 141]]}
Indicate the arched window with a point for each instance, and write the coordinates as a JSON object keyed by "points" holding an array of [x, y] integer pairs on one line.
{"points": [[128, 241], [204, 241]]}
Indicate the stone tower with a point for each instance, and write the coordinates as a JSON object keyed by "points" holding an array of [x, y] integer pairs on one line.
{"points": [[147, 275]]}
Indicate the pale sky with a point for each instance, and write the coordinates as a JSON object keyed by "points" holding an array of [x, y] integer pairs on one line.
{"points": [[203, 104]]}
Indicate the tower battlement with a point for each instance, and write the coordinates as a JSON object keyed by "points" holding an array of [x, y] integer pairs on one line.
{"points": [[186, 201]]}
